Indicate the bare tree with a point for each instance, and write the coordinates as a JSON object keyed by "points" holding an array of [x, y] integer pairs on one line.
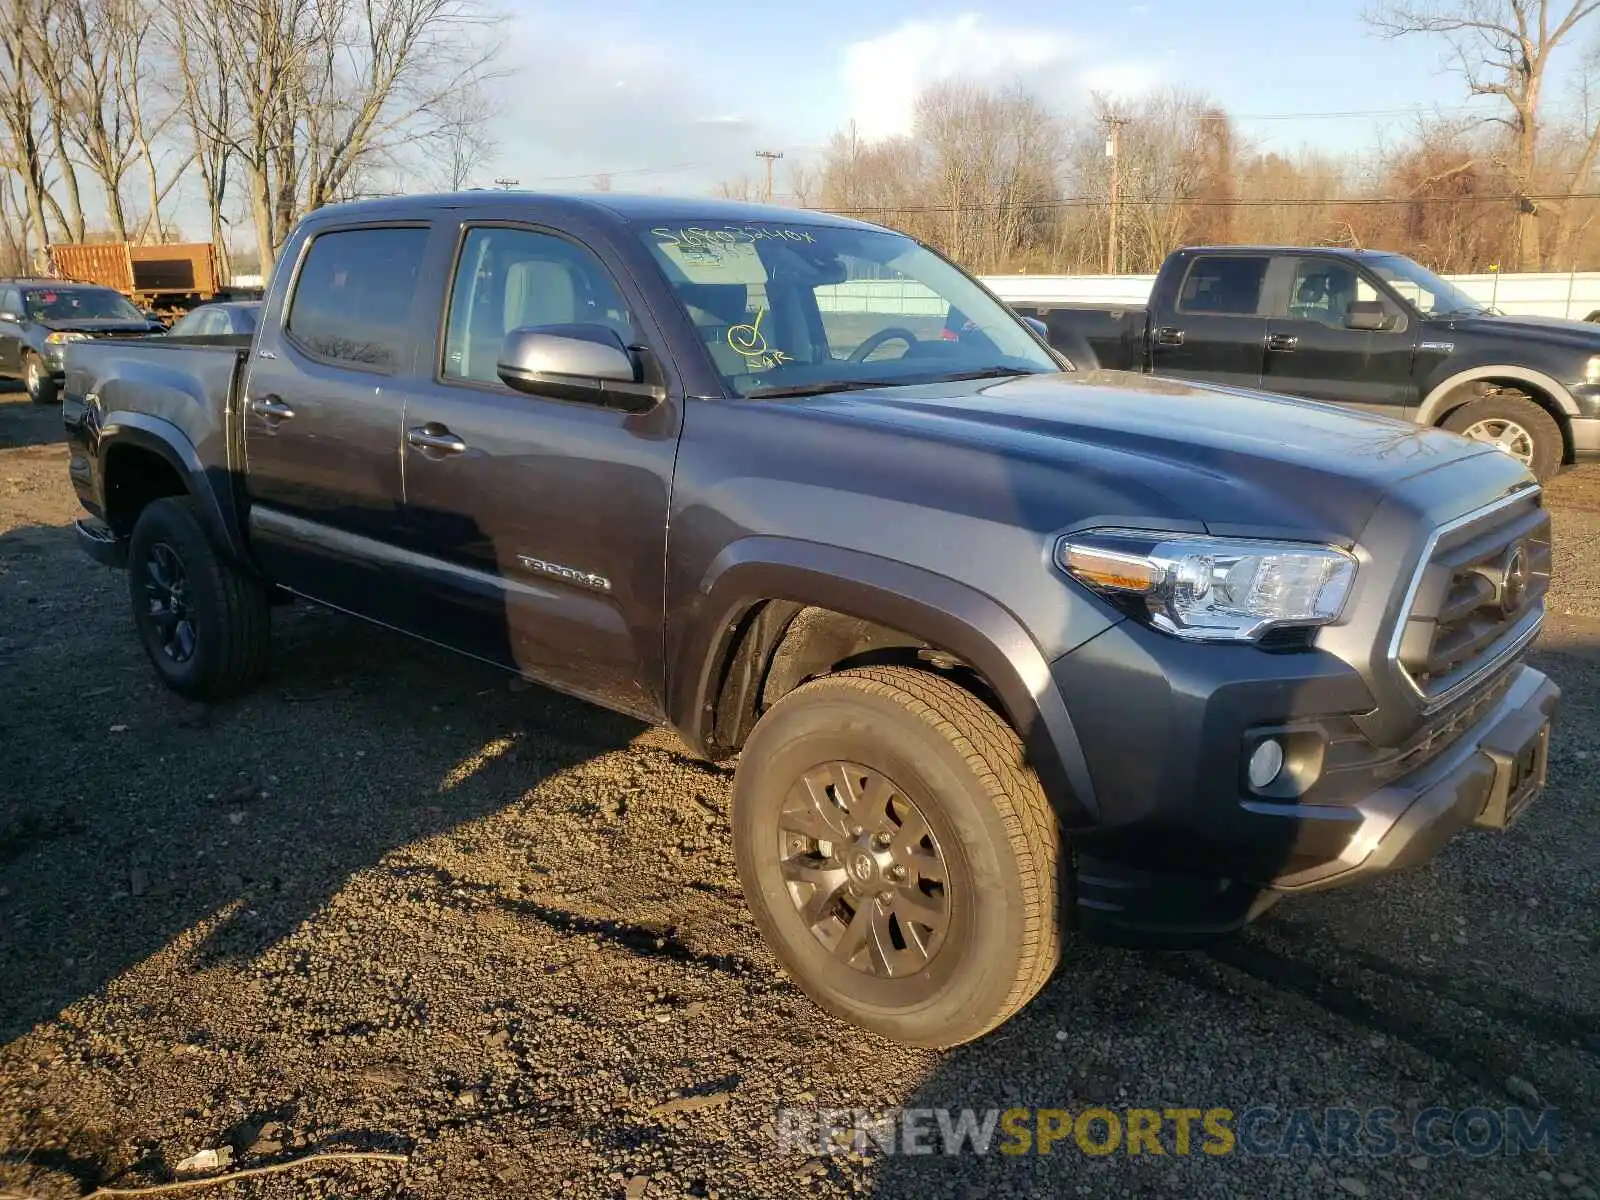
{"points": [[205, 99], [1503, 48], [19, 110], [462, 142], [740, 188]]}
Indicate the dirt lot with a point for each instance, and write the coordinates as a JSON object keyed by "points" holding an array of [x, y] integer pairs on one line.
{"points": [[392, 903]]}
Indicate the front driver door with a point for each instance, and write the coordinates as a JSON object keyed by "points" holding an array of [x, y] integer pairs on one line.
{"points": [[541, 522], [1310, 353]]}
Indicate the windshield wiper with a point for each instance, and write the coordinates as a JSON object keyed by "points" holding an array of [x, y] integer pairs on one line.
{"points": [[986, 373], [817, 389]]}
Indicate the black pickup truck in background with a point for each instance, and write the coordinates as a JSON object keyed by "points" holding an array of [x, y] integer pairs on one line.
{"points": [[1000, 646], [1359, 327]]}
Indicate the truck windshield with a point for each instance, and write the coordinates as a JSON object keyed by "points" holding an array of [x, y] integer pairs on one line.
{"points": [[791, 309], [78, 304], [1432, 296]]}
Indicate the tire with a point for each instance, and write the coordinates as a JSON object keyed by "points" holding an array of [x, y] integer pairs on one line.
{"points": [[225, 612], [893, 735], [1509, 420], [36, 377]]}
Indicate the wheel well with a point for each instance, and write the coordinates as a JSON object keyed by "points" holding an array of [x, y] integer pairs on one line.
{"points": [[1482, 389], [780, 644], [135, 476]]}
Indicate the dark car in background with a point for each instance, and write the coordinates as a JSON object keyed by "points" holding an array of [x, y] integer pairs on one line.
{"points": [[39, 317], [1365, 328], [233, 319]]}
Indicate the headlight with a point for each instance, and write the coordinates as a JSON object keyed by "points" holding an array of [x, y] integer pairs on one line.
{"points": [[1591, 370], [61, 339], [1210, 588]]}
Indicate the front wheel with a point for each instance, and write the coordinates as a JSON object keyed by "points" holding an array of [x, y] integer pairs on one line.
{"points": [[204, 623], [1514, 425], [41, 387], [899, 855]]}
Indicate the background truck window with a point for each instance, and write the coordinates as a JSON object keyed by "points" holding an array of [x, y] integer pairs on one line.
{"points": [[1228, 286]]}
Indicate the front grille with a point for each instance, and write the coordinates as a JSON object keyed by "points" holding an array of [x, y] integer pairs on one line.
{"points": [[1477, 598]]}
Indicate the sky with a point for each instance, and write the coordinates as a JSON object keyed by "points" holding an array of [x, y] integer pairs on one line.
{"points": [[676, 95]]}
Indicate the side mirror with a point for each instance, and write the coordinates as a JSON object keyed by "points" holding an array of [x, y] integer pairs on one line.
{"points": [[14, 318], [584, 363], [1038, 327], [1368, 315]]}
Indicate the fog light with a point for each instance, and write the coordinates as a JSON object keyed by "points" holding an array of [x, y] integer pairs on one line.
{"points": [[1265, 763]]}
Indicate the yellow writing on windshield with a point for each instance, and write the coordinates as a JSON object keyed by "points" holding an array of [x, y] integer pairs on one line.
{"points": [[748, 341], [697, 238]]}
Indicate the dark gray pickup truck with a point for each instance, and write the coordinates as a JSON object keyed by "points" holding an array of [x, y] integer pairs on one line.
{"points": [[1365, 328], [1002, 648]]}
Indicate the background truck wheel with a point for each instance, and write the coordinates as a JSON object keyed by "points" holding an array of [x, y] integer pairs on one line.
{"points": [[41, 388], [898, 855], [203, 623], [1514, 424]]}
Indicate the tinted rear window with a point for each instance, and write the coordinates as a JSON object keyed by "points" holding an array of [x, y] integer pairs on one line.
{"points": [[1224, 285], [352, 302]]}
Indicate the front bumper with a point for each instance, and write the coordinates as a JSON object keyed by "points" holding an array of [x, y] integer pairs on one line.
{"points": [[1184, 851], [1585, 435]]}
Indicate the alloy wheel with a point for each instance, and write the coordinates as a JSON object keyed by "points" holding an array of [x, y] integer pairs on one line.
{"points": [[1506, 436], [166, 587], [864, 869]]}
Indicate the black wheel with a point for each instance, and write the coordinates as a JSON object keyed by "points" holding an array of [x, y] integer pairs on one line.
{"points": [[1514, 425], [899, 855], [36, 376], [203, 623]]}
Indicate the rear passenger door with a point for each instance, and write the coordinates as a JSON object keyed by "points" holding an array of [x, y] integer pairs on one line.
{"points": [[1218, 326], [322, 416]]}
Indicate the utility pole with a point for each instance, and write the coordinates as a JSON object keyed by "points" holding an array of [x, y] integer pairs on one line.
{"points": [[1114, 126], [505, 185], [771, 156]]}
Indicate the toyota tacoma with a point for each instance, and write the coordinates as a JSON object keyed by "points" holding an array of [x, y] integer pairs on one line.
{"points": [[1004, 649]]}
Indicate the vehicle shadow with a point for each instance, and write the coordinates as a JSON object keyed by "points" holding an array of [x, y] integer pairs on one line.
{"points": [[1395, 996], [24, 423], [131, 818]]}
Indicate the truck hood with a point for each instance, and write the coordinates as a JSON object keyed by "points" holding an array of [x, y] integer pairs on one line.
{"points": [[101, 326], [1551, 331], [1234, 460]]}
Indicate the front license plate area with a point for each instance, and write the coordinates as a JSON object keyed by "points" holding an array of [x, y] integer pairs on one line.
{"points": [[1518, 778]]}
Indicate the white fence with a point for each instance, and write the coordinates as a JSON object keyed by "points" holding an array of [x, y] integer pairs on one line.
{"points": [[1573, 295]]}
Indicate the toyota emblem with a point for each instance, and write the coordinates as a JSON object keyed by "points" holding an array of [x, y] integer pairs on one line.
{"points": [[1514, 582]]}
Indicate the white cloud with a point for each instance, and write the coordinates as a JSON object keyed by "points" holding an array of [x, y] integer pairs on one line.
{"points": [[882, 75], [605, 99]]}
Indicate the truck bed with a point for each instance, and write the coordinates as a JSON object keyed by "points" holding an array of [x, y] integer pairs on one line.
{"points": [[188, 383]]}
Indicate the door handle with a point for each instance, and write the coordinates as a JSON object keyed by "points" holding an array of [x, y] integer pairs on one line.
{"points": [[1283, 343], [435, 437], [271, 408], [1168, 336]]}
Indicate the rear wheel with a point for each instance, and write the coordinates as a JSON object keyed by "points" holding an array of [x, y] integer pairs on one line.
{"points": [[36, 376], [1514, 425], [204, 623], [899, 855]]}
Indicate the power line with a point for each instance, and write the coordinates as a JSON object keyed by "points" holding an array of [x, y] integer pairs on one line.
{"points": [[1200, 202]]}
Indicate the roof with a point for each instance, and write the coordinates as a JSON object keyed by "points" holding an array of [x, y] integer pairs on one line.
{"points": [[1334, 251], [622, 205]]}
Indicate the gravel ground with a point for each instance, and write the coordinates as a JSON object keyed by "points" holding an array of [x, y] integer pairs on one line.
{"points": [[390, 903]]}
